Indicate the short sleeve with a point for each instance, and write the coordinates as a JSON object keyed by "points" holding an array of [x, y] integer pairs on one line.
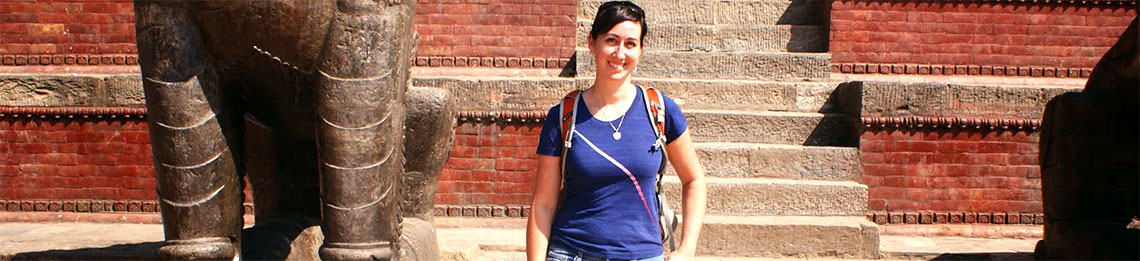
{"points": [[675, 123], [548, 139]]}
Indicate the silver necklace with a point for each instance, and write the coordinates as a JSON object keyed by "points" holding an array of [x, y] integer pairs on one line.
{"points": [[617, 130]]}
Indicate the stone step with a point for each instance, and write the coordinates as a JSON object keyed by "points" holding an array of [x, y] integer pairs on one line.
{"points": [[710, 38], [539, 93], [749, 160], [746, 95], [792, 128], [788, 236], [722, 65], [766, 196], [739, 12]]}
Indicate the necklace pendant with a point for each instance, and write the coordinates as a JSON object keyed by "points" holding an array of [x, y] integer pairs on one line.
{"points": [[617, 135]]}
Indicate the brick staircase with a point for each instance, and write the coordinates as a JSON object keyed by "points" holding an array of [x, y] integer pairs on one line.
{"points": [[780, 155]]}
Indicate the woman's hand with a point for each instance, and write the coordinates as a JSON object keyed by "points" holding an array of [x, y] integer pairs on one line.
{"points": [[693, 194], [679, 255]]}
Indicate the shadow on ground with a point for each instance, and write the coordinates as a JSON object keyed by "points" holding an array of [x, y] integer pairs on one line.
{"points": [[961, 256], [135, 251]]}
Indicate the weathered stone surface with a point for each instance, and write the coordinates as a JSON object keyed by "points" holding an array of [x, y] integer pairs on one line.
{"points": [[723, 65], [729, 38], [793, 128], [70, 91], [737, 12], [282, 239], [789, 237], [430, 127], [763, 196], [1090, 162], [123, 90], [750, 160], [903, 99], [893, 99], [743, 95], [418, 240], [492, 94]]}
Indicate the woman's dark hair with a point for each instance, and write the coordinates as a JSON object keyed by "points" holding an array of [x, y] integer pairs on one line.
{"points": [[614, 12]]}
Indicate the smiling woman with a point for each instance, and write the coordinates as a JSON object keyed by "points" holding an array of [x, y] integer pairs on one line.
{"points": [[595, 171]]}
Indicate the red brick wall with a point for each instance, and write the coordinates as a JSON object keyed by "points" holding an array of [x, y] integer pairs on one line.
{"points": [[956, 36], [504, 28], [491, 163], [67, 27], [100, 32], [951, 170], [59, 159]]}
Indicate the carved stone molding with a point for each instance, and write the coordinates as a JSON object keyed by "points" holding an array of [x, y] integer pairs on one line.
{"points": [[497, 62], [955, 217], [68, 59], [73, 112], [887, 123], [959, 70], [482, 210], [423, 61], [502, 116]]}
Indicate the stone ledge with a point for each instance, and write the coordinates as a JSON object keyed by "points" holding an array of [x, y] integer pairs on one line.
{"points": [[71, 90], [928, 99]]}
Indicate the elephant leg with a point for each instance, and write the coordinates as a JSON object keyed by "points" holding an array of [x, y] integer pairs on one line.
{"points": [[363, 74], [198, 187], [430, 129]]}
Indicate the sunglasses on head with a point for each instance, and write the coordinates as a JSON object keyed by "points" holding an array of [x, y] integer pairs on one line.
{"points": [[632, 7]]}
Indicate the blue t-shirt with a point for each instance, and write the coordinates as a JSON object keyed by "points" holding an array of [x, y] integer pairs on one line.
{"points": [[602, 214]]}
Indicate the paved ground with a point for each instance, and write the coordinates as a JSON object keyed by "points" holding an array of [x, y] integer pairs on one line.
{"points": [[460, 239]]}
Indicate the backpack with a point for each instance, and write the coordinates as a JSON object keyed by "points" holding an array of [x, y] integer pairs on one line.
{"points": [[655, 108]]}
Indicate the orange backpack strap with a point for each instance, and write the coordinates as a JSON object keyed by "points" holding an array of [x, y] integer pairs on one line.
{"points": [[568, 111], [655, 106]]}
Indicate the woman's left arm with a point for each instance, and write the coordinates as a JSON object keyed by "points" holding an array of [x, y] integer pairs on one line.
{"points": [[693, 194]]}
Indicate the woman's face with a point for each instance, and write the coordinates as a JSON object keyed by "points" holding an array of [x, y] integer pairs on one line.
{"points": [[616, 52]]}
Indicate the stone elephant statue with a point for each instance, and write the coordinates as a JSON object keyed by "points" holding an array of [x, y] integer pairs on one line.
{"points": [[309, 100]]}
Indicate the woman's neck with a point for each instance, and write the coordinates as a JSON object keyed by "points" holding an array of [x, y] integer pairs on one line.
{"points": [[609, 92]]}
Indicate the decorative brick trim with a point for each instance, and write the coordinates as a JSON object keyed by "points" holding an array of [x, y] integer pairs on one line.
{"points": [[950, 123], [139, 112], [68, 59], [503, 116], [72, 112], [87, 205], [424, 61], [473, 61], [508, 211], [974, 70], [933, 217], [81, 206]]}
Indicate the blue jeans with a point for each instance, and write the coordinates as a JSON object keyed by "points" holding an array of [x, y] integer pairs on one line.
{"points": [[558, 252]]}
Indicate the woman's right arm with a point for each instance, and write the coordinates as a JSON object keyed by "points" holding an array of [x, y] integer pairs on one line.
{"points": [[547, 185]]}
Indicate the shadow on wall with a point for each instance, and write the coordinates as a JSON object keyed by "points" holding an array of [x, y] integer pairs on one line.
{"points": [[810, 31], [1090, 162], [840, 126]]}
